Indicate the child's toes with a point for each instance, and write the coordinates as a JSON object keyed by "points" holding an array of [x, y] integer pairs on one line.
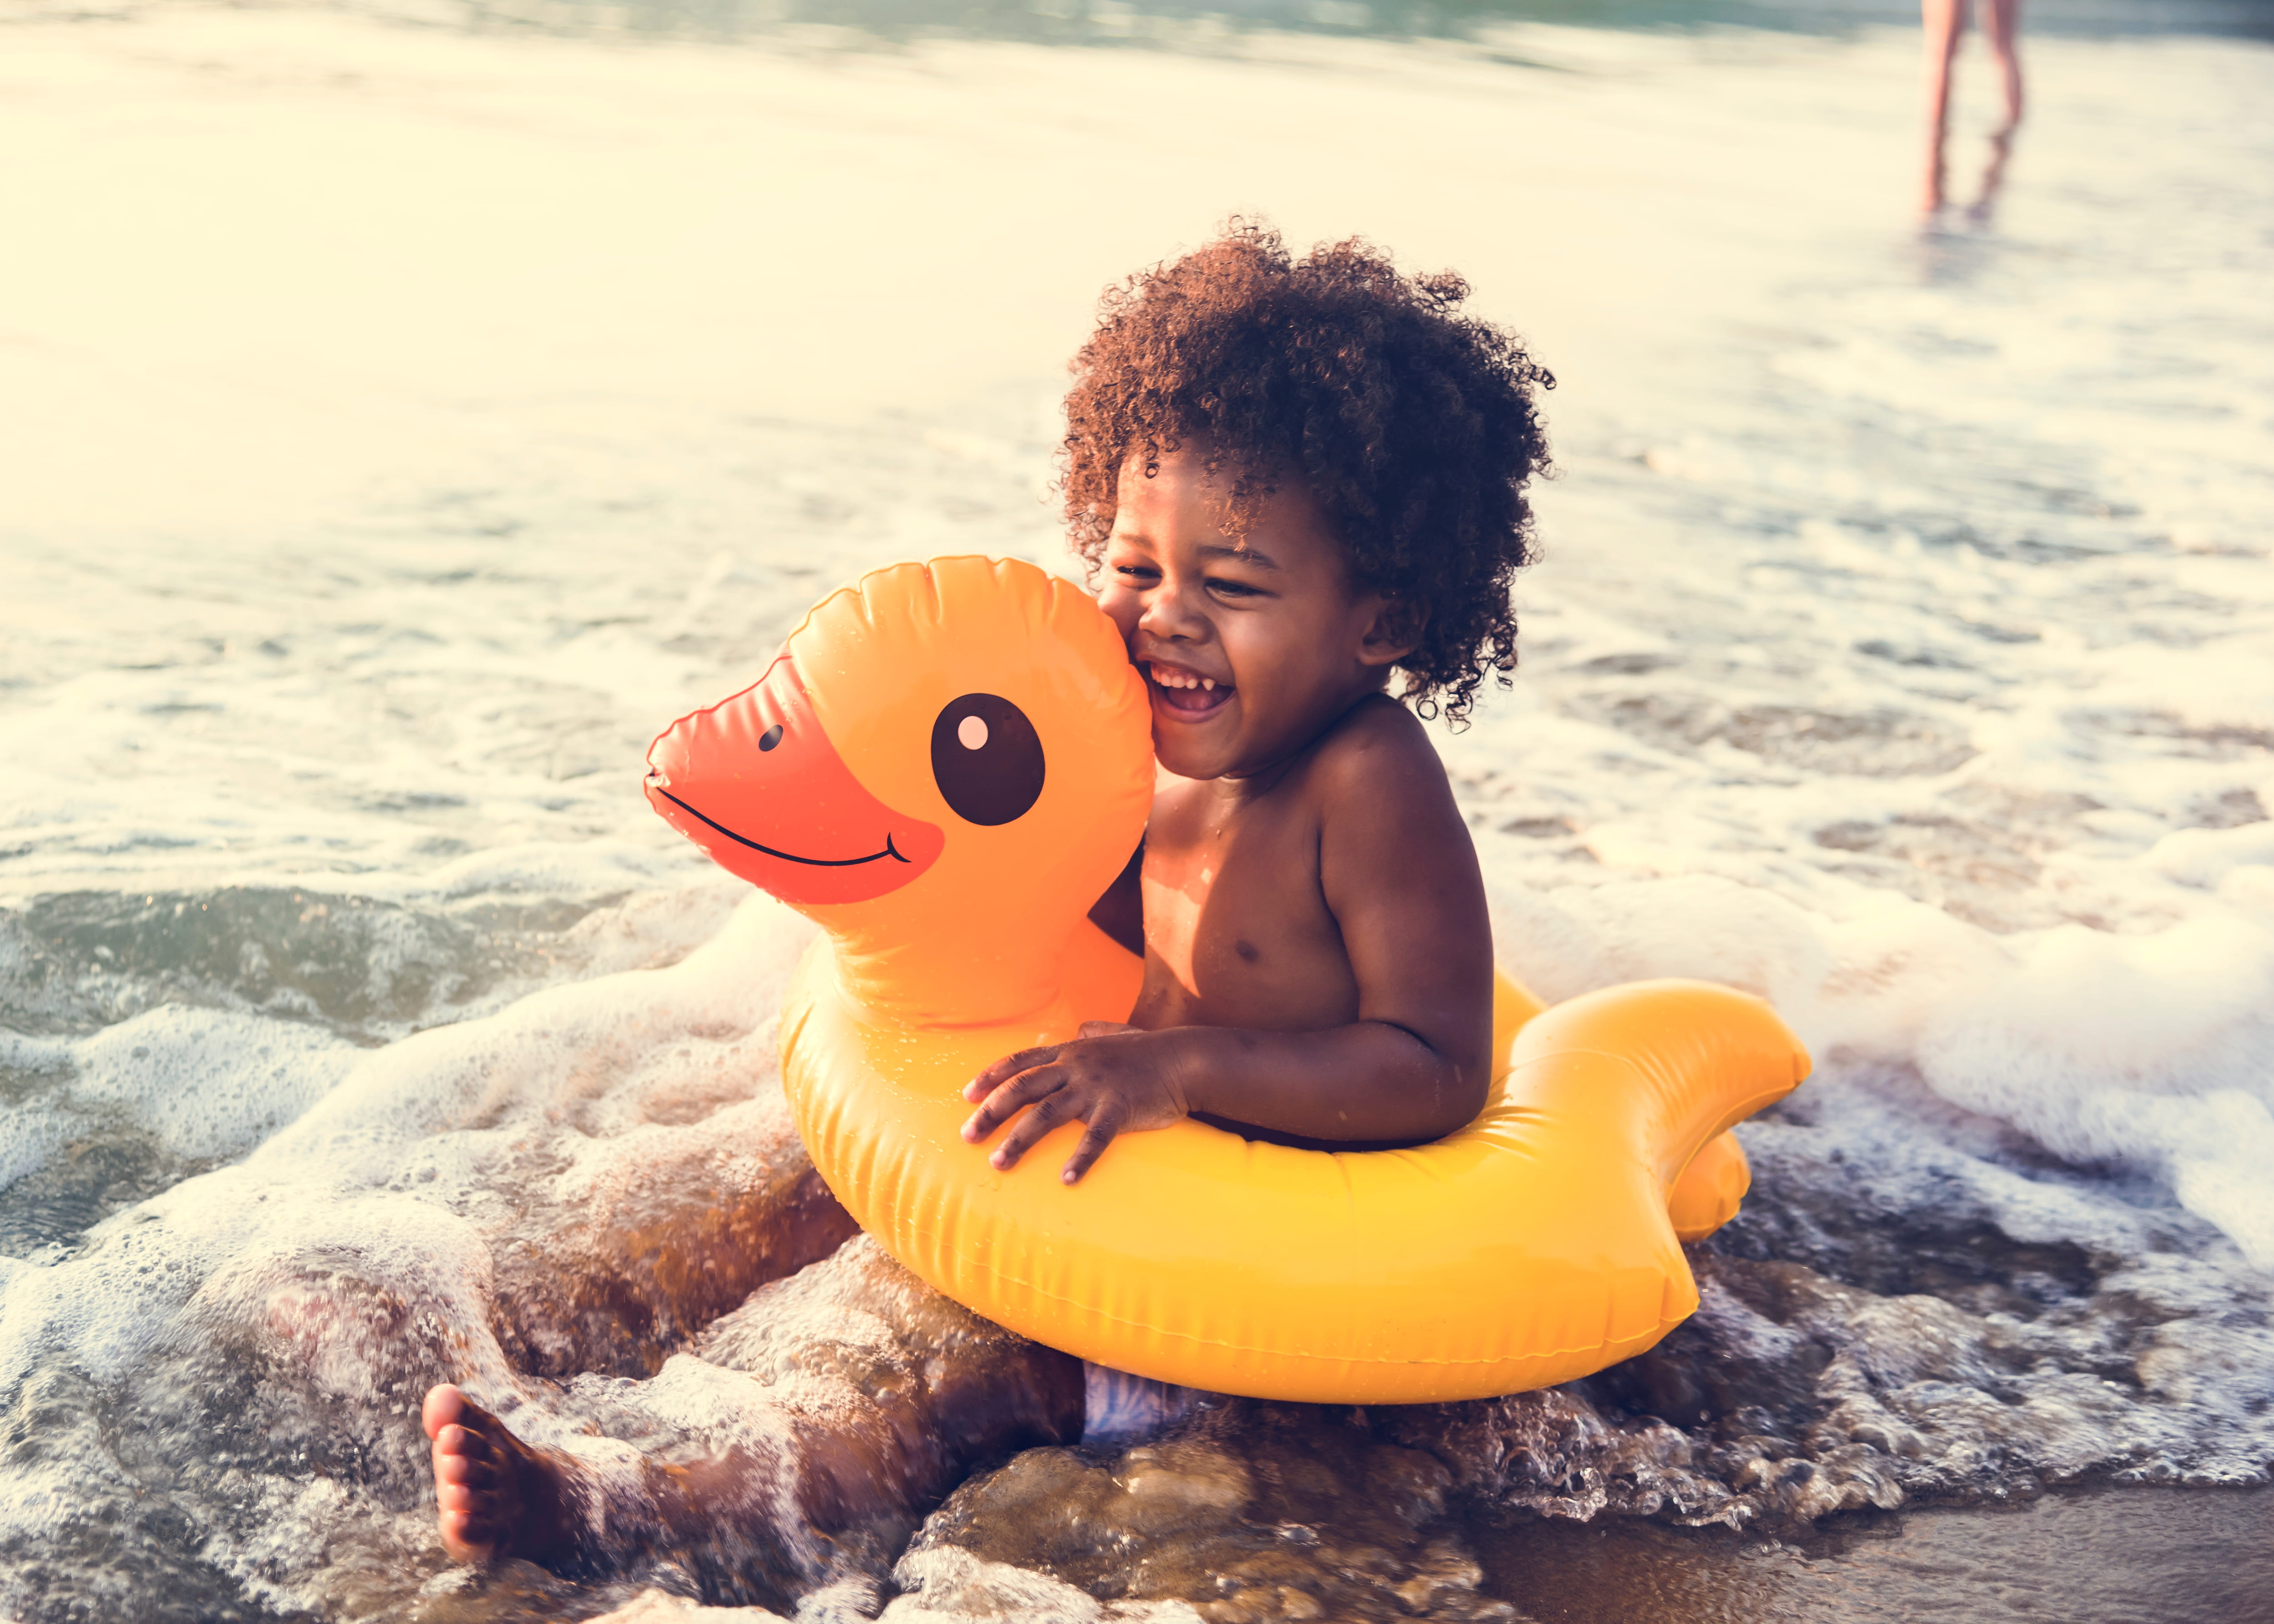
{"points": [[465, 1470], [445, 1405], [467, 1538], [455, 1443]]}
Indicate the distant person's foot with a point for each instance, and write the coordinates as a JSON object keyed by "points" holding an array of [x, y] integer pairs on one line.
{"points": [[1993, 176], [494, 1494], [1932, 194]]}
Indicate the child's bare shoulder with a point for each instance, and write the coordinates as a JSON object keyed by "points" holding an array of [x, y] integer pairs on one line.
{"points": [[1396, 865], [1378, 749]]}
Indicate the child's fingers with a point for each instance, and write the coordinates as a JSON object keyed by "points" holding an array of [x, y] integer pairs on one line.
{"points": [[1004, 1104], [1101, 1028], [1030, 1128], [1105, 1122], [1008, 1067]]}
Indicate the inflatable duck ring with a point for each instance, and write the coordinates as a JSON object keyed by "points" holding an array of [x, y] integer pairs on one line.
{"points": [[944, 768]]}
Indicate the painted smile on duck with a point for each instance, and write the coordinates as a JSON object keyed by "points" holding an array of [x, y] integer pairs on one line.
{"points": [[756, 784], [818, 862]]}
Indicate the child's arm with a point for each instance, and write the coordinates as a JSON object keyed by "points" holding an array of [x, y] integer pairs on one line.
{"points": [[1400, 876]]}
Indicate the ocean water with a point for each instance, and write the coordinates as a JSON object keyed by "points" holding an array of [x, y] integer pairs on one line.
{"points": [[404, 413]]}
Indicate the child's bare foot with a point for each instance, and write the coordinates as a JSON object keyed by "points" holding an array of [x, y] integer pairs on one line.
{"points": [[495, 1496]]}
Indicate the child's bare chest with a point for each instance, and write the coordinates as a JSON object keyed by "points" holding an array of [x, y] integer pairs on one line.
{"points": [[1237, 929]]}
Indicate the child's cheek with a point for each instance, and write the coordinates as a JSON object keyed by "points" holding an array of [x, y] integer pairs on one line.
{"points": [[1122, 608]]}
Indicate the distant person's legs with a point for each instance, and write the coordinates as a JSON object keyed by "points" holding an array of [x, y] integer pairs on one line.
{"points": [[2001, 23], [1944, 20]]}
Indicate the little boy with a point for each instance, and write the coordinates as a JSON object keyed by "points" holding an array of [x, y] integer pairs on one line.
{"points": [[1314, 474], [1298, 477]]}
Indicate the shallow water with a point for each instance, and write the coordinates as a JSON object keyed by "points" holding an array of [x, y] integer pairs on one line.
{"points": [[404, 422]]}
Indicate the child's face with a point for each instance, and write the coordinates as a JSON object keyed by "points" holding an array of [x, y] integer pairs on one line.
{"points": [[1250, 645]]}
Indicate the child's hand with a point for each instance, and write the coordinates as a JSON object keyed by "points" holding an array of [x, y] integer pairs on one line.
{"points": [[1112, 1077]]}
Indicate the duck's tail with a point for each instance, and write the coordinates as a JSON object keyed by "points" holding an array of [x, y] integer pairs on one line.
{"points": [[1704, 1059], [1710, 1190], [1710, 1184]]}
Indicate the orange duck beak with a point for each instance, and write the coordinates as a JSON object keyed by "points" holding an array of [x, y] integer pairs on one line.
{"points": [[756, 784]]}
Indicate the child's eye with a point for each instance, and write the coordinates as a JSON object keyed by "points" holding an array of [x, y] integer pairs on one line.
{"points": [[1233, 589], [1135, 572]]}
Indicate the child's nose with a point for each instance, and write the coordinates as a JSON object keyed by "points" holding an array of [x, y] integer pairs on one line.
{"points": [[1171, 611]]}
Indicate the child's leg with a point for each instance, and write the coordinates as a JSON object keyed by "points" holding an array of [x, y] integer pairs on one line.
{"points": [[809, 1430], [657, 1243]]}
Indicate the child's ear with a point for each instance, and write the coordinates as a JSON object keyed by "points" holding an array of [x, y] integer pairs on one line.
{"points": [[1393, 630]]}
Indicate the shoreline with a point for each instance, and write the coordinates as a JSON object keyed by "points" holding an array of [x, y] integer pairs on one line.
{"points": [[2112, 1554]]}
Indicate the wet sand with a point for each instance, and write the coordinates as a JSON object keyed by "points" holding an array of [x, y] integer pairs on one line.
{"points": [[2123, 1555]]}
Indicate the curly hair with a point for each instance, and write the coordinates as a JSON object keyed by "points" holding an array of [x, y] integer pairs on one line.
{"points": [[1411, 424]]}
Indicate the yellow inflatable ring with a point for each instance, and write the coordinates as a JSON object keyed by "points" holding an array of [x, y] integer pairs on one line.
{"points": [[944, 767]]}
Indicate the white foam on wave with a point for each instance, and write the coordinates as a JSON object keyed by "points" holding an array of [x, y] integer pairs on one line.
{"points": [[351, 1255], [199, 1085], [2153, 1053], [329, 1123], [30, 1139], [206, 1083], [2211, 857]]}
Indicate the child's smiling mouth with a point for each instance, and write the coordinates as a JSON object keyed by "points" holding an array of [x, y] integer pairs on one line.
{"points": [[1184, 693]]}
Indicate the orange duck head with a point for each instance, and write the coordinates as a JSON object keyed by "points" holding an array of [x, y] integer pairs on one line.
{"points": [[944, 767]]}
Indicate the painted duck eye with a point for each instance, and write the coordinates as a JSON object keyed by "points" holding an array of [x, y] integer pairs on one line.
{"points": [[986, 759], [770, 737]]}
